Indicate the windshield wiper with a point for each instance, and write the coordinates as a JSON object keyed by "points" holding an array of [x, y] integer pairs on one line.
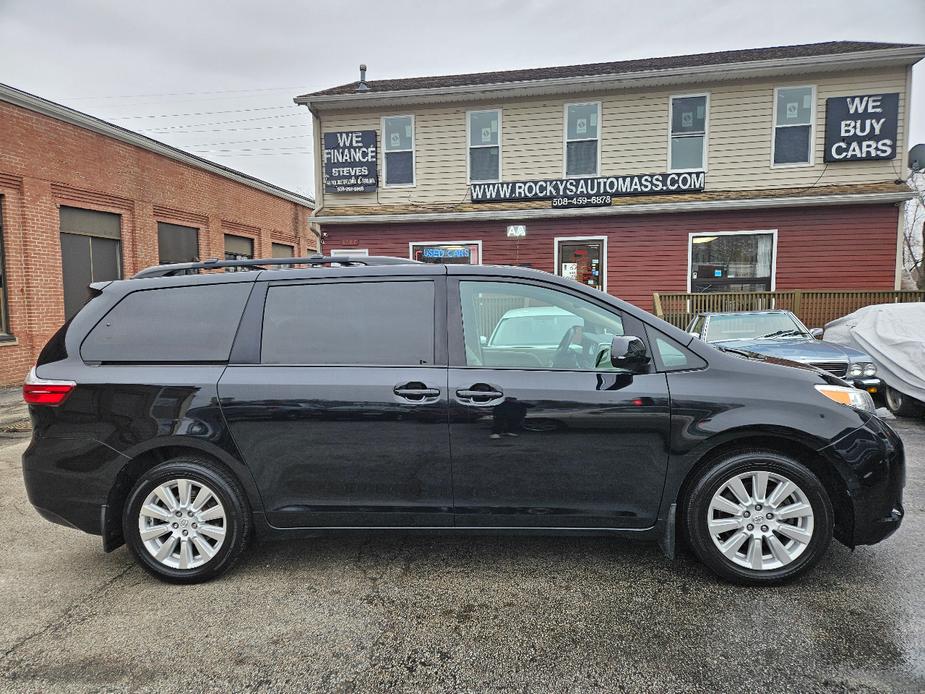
{"points": [[782, 333], [743, 352]]}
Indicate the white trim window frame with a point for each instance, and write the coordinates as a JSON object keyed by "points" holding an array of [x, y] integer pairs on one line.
{"points": [[412, 244], [602, 239], [811, 154], [387, 150], [490, 145], [688, 134], [348, 251], [748, 232], [566, 141]]}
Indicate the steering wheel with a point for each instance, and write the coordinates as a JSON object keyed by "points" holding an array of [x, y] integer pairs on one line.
{"points": [[566, 357]]}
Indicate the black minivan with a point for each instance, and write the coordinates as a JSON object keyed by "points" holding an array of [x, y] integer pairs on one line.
{"points": [[183, 412]]}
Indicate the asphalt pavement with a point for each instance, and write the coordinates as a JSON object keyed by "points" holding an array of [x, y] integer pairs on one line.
{"points": [[407, 613]]}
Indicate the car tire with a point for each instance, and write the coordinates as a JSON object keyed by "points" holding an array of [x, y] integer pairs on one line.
{"points": [[777, 547], [901, 405], [186, 520]]}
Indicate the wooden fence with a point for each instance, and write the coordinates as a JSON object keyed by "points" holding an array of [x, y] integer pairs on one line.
{"points": [[814, 308]]}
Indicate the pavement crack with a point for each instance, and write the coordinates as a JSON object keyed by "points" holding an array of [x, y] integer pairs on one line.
{"points": [[67, 617]]}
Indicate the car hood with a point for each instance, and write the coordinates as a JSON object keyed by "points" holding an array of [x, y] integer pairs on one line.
{"points": [[796, 349], [743, 353]]}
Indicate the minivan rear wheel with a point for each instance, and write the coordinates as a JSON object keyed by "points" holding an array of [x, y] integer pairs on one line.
{"points": [[758, 517], [186, 520]]}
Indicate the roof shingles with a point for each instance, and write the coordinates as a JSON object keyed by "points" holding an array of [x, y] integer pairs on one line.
{"points": [[613, 68]]}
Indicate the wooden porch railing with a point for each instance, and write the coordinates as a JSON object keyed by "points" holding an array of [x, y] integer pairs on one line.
{"points": [[814, 307]]}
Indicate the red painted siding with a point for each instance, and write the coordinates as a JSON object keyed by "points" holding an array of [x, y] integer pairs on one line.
{"points": [[850, 247]]}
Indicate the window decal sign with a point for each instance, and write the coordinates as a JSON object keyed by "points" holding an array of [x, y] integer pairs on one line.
{"points": [[589, 191], [350, 162], [859, 128]]}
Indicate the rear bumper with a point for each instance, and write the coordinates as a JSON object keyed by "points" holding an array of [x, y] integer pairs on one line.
{"points": [[871, 460]]}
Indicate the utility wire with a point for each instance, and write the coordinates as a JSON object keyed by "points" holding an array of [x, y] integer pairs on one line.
{"points": [[256, 149], [203, 113], [224, 130], [162, 128], [239, 142], [219, 91]]}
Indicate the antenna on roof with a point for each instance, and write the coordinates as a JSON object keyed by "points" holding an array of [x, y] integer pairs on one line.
{"points": [[362, 86]]}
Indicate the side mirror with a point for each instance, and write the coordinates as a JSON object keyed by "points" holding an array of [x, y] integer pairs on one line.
{"points": [[817, 333], [483, 340], [629, 352], [694, 334]]}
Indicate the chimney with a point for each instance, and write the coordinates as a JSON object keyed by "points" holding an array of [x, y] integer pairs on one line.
{"points": [[362, 86]]}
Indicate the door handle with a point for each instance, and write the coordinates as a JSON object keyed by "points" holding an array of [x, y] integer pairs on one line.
{"points": [[479, 394], [416, 392]]}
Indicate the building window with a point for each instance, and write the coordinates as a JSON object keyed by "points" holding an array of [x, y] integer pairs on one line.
{"points": [[283, 250], [349, 251], [238, 248], [177, 244], [398, 144], [794, 116], [732, 262], [582, 259], [91, 251], [484, 146], [4, 306], [688, 116], [582, 139], [446, 252]]}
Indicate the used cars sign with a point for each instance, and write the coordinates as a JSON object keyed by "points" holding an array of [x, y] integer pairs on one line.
{"points": [[861, 128], [350, 162]]}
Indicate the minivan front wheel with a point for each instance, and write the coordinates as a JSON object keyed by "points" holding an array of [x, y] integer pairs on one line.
{"points": [[186, 520], [759, 517]]}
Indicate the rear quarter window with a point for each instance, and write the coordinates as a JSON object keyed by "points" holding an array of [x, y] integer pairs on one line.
{"points": [[176, 324]]}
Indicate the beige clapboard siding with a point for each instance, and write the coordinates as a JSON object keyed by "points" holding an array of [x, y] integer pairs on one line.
{"points": [[634, 138]]}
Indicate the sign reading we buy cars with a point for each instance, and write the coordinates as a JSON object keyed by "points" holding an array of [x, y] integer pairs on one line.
{"points": [[350, 162], [861, 127]]}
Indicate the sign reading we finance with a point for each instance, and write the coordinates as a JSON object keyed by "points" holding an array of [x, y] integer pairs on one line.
{"points": [[859, 128], [350, 162]]}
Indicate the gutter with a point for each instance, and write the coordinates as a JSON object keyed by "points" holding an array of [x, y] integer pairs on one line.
{"points": [[617, 210], [726, 71], [30, 102]]}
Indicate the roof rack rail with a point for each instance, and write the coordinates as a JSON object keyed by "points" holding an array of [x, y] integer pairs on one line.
{"points": [[261, 264]]}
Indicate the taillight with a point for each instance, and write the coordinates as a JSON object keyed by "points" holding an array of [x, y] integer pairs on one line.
{"points": [[40, 391]]}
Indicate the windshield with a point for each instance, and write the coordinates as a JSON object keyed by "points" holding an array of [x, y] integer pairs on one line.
{"points": [[748, 326], [533, 331]]}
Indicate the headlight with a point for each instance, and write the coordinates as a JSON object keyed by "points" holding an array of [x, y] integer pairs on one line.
{"points": [[851, 397], [855, 370], [870, 369]]}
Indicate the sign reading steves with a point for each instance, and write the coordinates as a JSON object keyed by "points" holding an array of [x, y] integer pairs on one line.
{"points": [[350, 162], [861, 127], [587, 192]]}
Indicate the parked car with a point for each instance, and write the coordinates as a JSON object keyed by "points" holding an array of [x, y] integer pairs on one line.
{"points": [[781, 334], [894, 336], [183, 414]]}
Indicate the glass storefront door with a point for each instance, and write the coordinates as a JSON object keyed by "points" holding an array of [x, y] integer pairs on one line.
{"points": [[732, 262], [582, 261]]}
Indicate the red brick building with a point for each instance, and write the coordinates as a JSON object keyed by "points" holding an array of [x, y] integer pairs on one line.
{"points": [[83, 200], [752, 170]]}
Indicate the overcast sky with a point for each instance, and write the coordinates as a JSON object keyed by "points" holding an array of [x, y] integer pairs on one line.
{"points": [[231, 68]]}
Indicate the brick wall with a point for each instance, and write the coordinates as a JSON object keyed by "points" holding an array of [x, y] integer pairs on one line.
{"points": [[45, 163], [830, 247]]}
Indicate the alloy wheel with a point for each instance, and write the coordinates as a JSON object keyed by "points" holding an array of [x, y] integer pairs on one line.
{"points": [[760, 520], [182, 523]]}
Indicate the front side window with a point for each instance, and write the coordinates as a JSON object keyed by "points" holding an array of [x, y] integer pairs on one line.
{"points": [[688, 133], [732, 262], [523, 326], [582, 139], [398, 145], [447, 252], [484, 146], [350, 323], [794, 109], [177, 324]]}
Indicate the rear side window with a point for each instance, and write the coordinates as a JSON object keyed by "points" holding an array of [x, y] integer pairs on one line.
{"points": [[380, 323], [179, 324]]}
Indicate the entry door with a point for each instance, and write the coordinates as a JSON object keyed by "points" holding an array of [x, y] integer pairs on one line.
{"points": [[340, 407], [545, 432], [582, 261]]}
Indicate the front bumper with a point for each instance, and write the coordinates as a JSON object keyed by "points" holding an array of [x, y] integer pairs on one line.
{"points": [[871, 385], [871, 461]]}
